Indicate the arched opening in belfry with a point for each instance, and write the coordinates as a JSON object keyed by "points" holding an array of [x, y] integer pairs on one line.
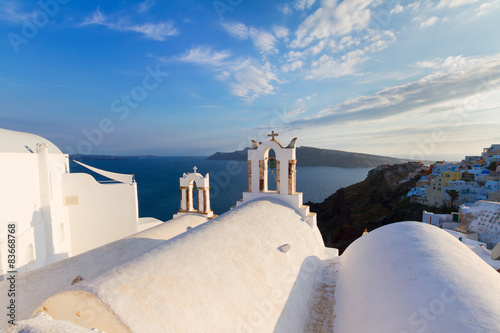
{"points": [[194, 194], [31, 253], [271, 166]]}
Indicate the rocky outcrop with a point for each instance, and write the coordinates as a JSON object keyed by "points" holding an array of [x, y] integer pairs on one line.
{"points": [[378, 200]]}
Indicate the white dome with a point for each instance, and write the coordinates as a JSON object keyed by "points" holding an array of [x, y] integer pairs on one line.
{"points": [[16, 142], [412, 276]]}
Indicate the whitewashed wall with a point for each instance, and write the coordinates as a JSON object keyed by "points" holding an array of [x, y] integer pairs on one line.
{"points": [[103, 212]]}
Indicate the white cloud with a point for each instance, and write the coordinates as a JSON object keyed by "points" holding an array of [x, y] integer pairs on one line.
{"points": [[295, 55], [223, 76], [454, 3], [145, 6], [303, 4], [261, 39], [427, 22], [157, 31], [236, 30], [290, 67], [329, 67], [318, 47], [280, 32], [470, 86], [298, 5], [379, 40], [97, 17], [450, 63], [204, 55], [333, 20], [285, 9], [350, 53], [486, 7], [414, 6], [10, 11], [246, 78], [397, 9], [252, 82]]}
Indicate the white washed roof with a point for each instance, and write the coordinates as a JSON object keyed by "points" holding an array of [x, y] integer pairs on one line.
{"points": [[483, 217], [35, 286], [212, 278], [414, 277], [16, 142]]}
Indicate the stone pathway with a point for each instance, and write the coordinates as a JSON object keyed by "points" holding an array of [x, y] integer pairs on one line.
{"points": [[321, 304]]}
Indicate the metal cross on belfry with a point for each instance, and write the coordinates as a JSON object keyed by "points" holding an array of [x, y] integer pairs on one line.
{"points": [[195, 168], [272, 135]]}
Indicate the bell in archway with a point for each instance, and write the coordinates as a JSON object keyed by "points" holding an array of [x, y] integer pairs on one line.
{"points": [[272, 163]]}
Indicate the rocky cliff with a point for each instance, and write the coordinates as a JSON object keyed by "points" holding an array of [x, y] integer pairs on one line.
{"points": [[378, 200]]}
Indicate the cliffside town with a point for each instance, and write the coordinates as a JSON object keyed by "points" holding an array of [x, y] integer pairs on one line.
{"points": [[453, 184], [406, 192]]}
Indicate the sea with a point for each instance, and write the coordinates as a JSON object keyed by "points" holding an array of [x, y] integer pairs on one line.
{"points": [[158, 181]]}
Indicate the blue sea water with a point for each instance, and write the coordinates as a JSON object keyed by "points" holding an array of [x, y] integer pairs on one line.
{"points": [[158, 181]]}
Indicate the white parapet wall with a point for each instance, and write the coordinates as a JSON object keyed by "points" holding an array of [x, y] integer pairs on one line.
{"points": [[56, 214], [251, 269], [31, 199], [99, 213]]}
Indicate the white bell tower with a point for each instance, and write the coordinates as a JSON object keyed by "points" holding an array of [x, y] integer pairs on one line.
{"points": [[190, 182], [285, 163]]}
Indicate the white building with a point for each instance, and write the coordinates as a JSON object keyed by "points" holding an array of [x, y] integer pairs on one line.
{"points": [[57, 214], [416, 192], [260, 268], [468, 192], [443, 167], [493, 158], [263, 267], [492, 186], [483, 217], [481, 176], [492, 150]]}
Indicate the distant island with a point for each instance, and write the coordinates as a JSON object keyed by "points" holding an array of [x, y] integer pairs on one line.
{"points": [[309, 156]]}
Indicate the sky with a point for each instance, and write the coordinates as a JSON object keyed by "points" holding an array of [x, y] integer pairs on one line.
{"points": [[398, 78]]}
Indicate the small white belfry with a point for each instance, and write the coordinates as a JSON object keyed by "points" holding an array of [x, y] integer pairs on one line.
{"points": [[259, 162], [190, 182]]}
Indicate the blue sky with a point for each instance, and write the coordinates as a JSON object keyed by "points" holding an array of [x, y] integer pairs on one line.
{"points": [[409, 78]]}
